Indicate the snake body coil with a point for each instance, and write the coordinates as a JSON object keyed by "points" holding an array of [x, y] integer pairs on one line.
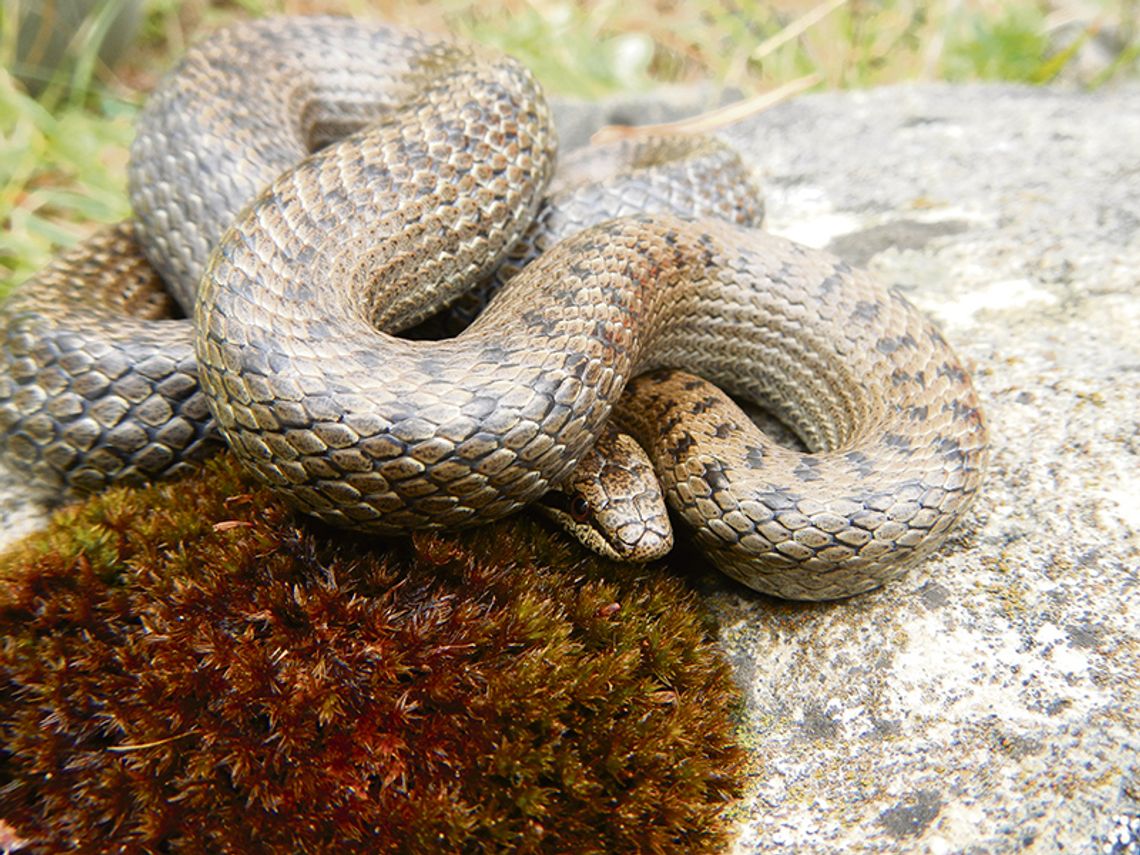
{"points": [[379, 230]]}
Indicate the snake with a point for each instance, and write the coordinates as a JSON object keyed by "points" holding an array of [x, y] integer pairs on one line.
{"points": [[382, 174]]}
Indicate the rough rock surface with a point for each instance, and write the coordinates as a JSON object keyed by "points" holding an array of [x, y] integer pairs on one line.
{"points": [[988, 701]]}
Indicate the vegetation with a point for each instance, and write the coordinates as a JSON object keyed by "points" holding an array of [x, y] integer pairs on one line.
{"points": [[185, 669], [62, 154]]}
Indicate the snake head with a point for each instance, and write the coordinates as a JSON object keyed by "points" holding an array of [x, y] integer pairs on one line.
{"points": [[612, 502]]}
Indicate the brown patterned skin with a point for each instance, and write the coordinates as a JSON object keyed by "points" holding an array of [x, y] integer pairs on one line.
{"points": [[97, 390], [91, 398], [690, 176], [386, 435], [871, 501], [383, 434], [98, 384], [254, 99], [200, 156]]}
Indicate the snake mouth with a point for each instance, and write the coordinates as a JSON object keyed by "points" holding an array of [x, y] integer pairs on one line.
{"points": [[644, 544], [631, 540]]}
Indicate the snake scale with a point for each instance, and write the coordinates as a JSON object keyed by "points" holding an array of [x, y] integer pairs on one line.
{"points": [[388, 172]]}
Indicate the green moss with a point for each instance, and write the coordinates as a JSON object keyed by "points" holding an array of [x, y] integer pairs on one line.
{"points": [[189, 667]]}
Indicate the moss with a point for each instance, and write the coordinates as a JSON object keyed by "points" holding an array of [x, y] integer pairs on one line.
{"points": [[189, 667]]}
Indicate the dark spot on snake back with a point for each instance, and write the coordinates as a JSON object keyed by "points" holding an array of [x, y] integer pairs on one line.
{"points": [[950, 449], [682, 445], [714, 475], [806, 469], [889, 345], [953, 372], [830, 283], [894, 440], [862, 463], [703, 405]]}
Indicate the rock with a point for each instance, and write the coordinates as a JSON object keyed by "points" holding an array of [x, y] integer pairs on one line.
{"points": [[988, 701], [20, 513]]}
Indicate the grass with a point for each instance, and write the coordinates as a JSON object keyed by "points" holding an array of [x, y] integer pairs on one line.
{"points": [[62, 152]]}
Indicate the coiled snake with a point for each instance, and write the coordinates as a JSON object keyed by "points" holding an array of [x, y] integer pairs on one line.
{"points": [[430, 160]]}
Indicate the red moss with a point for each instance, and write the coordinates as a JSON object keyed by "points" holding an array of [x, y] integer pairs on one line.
{"points": [[188, 667]]}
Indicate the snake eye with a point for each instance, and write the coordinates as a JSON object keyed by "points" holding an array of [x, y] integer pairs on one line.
{"points": [[579, 509]]}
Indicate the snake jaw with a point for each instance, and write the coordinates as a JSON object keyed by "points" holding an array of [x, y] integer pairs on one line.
{"points": [[623, 539], [638, 542]]}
